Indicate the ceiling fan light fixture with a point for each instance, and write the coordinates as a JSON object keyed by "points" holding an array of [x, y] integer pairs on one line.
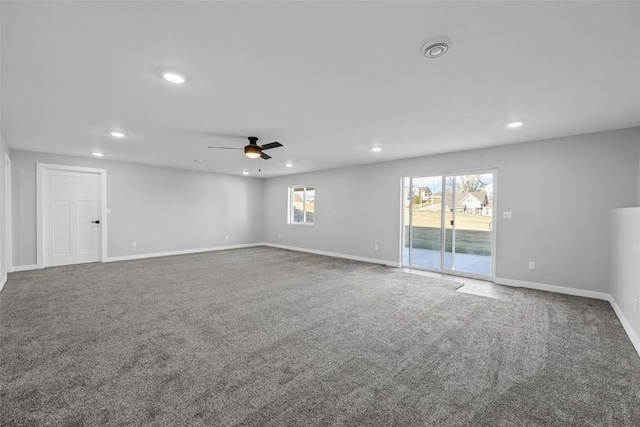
{"points": [[252, 151]]}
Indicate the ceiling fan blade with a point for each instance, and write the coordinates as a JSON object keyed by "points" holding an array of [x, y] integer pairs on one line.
{"points": [[265, 156], [271, 145], [228, 148]]}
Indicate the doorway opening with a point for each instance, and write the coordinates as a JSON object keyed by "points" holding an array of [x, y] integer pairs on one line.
{"points": [[448, 223]]}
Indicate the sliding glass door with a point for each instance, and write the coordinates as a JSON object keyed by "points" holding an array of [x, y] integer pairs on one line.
{"points": [[423, 219], [448, 223]]}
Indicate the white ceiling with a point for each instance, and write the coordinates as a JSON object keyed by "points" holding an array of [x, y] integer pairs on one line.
{"points": [[329, 80]]}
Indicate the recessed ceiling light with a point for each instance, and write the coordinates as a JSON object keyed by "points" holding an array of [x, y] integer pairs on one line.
{"points": [[174, 77], [97, 154], [117, 134], [245, 172], [289, 165], [515, 124], [436, 48], [197, 161], [376, 149]]}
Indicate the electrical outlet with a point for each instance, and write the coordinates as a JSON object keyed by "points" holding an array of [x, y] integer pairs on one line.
{"points": [[375, 247], [532, 265], [506, 214], [133, 244]]}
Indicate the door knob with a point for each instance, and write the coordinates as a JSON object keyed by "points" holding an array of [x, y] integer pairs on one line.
{"points": [[95, 222]]}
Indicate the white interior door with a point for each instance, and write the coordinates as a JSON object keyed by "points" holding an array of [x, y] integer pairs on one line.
{"points": [[71, 217]]}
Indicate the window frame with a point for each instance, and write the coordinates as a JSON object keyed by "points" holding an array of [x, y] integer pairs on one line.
{"points": [[291, 207]]}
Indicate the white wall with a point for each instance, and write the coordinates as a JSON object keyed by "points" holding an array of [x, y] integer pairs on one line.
{"points": [[4, 261], [560, 193], [162, 209], [625, 269]]}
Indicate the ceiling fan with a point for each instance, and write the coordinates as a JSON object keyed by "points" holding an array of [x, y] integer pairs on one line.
{"points": [[253, 150]]}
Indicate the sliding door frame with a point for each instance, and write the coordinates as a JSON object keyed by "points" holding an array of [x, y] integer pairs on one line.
{"points": [[494, 228]]}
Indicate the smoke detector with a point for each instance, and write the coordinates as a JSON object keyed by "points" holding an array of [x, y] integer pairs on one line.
{"points": [[436, 48]]}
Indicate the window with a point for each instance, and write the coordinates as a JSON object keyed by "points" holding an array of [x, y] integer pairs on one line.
{"points": [[302, 205]]}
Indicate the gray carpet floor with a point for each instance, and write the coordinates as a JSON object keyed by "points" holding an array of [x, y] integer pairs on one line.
{"points": [[268, 337]]}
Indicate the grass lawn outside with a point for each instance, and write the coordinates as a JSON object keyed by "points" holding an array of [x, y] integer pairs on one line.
{"points": [[472, 242], [473, 233]]}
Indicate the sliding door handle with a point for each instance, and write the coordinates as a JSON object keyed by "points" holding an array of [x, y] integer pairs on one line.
{"points": [[95, 222]]}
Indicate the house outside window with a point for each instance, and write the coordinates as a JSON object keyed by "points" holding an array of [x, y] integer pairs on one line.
{"points": [[302, 205]]}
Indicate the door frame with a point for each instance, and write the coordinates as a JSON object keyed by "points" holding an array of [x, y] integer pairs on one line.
{"points": [[40, 220], [494, 231], [7, 215]]}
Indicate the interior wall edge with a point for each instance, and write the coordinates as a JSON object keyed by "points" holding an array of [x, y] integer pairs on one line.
{"points": [[625, 273], [638, 188], [5, 203], [626, 325]]}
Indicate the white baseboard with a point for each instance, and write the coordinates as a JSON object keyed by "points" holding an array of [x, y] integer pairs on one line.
{"points": [[334, 254], [182, 252], [635, 340], [3, 281], [24, 267], [553, 288]]}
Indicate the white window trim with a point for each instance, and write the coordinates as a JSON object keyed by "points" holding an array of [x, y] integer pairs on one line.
{"points": [[290, 220]]}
